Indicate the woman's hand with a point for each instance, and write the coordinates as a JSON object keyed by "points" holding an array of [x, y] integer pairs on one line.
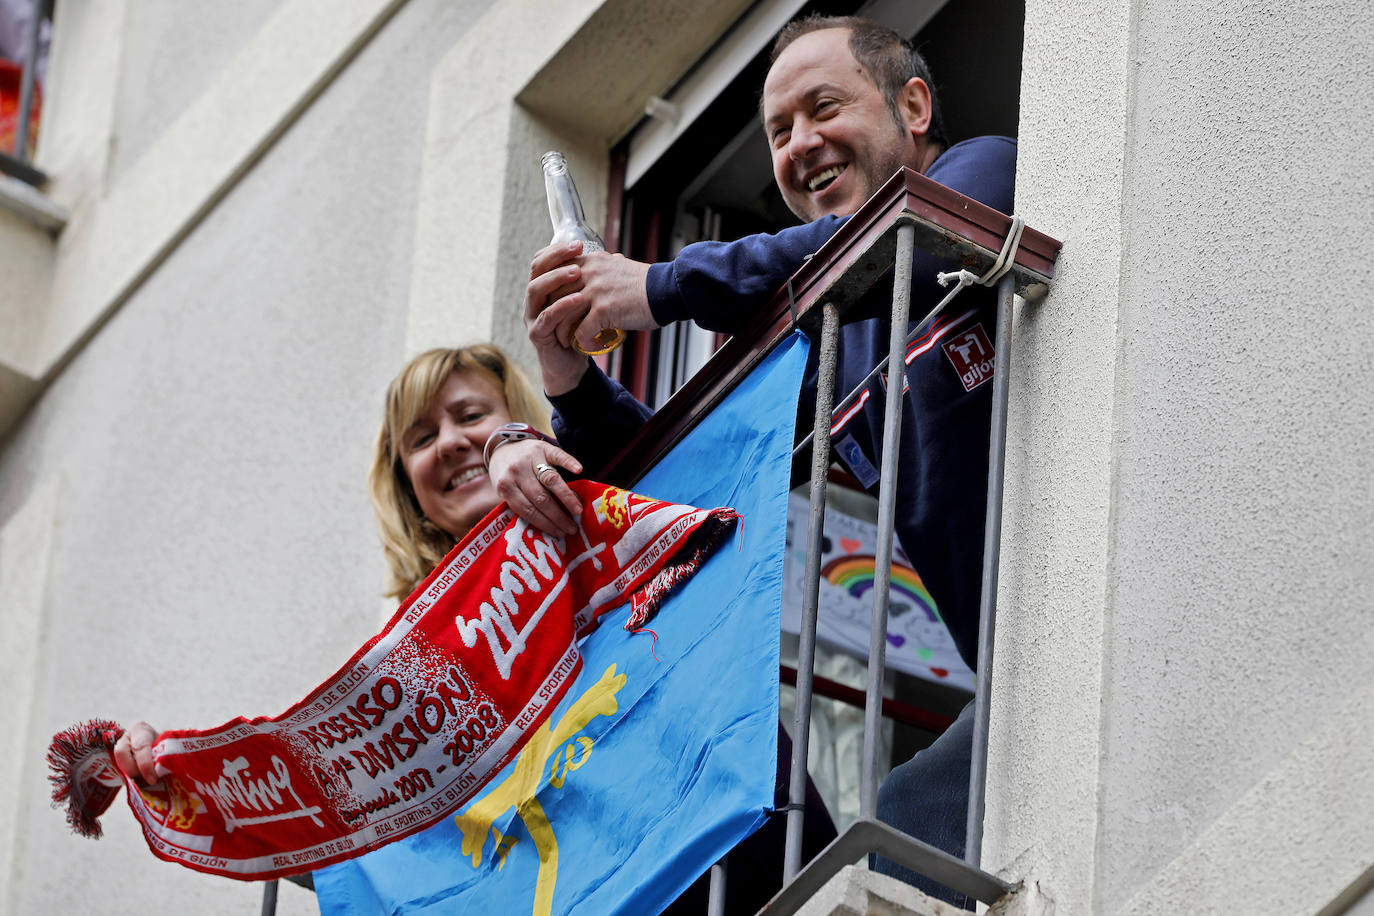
{"points": [[133, 754], [524, 476], [554, 274]]}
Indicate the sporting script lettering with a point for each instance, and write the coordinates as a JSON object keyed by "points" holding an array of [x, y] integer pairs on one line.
{"points": [[532, 562], [237, 791]]}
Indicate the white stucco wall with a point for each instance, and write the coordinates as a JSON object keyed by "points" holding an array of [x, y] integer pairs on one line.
{"points": [[1245, 494], [173, 52], [1189, 488], [214, 552]]}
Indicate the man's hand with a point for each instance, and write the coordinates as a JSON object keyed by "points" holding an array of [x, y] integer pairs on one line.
{"points": [[583, 297], [612, 296]]}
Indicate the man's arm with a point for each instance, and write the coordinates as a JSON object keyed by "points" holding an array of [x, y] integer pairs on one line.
{"points": [[720, 285]]}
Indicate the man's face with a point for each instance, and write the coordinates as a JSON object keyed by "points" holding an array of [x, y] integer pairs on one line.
{"points": [[833, 138]]}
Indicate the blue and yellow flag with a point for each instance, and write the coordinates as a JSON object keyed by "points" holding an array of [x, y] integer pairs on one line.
{"points": [[662, 756]]}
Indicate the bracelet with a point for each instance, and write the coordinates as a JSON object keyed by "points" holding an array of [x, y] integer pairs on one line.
{"points": [[511, 432]]}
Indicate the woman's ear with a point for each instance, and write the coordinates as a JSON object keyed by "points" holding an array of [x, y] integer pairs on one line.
{"points": [[915, 107]]}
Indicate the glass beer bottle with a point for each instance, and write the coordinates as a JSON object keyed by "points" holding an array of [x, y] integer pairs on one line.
{"points": [[570, 224], [565, 205]]}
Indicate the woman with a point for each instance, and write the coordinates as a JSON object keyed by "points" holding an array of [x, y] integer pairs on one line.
{"points": [[429, 483]]}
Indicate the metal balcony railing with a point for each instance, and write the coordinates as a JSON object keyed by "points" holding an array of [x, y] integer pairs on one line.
{"points": [[908, 211]]}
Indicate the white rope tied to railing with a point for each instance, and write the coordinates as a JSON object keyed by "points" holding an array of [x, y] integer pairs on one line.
{"points": [[1006, 259]]}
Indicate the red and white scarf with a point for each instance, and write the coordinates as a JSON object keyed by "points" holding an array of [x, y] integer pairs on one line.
{"points": [[420, 718]]}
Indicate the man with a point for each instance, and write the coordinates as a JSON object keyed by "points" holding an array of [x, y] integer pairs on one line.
{"points": [[845, 104]]}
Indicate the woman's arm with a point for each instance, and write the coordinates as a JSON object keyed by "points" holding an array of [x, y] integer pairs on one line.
{"points": [[594, 417], [133, 754], [597, 418], [526, 476]]}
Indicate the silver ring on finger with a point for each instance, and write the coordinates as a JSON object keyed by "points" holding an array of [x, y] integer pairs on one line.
{"points": [[541, 469]]}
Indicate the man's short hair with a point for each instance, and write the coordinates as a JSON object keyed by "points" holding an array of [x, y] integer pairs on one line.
{"points": [[887, 58]]}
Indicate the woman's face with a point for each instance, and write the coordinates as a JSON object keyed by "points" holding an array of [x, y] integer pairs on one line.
{"points": [[442, 452]]}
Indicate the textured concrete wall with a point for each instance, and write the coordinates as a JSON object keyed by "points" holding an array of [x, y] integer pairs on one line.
{"points": [[1208, 349], [26, 542], [574, 82], [215, 553], [26, 262], [1056, 563], [173, 52], [1241, 616]]}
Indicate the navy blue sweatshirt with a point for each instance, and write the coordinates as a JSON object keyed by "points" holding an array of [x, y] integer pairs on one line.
{"points": [[943, 462]]}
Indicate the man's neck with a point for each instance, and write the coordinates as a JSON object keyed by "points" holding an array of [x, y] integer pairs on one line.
{"points": [[926, 156]]}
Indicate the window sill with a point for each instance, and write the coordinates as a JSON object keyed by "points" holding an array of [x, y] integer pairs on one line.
{"points": [[31, 204]]}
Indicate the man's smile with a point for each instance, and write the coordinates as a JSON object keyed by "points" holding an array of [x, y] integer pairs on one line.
{"points": [[825, 177]]}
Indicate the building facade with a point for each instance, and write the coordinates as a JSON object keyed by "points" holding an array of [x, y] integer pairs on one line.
{"points": [[263, 208]]}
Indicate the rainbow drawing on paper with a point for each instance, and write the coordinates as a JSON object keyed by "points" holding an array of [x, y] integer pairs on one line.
{"points": [[854, 574]]}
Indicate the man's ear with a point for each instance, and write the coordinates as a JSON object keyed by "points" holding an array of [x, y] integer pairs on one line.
{"points": [[915, 107]]}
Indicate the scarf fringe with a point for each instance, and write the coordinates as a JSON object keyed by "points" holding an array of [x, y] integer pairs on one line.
{"points": [[68, 755], [644, 604]]}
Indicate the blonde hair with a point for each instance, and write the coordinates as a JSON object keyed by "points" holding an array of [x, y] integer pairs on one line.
{"points": [[412, 543]]}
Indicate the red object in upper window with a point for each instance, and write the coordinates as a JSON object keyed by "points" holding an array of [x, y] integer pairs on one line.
{"points": [[11, 77]]}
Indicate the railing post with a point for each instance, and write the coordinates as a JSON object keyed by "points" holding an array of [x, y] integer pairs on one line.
{"points": [[715, 903], [887, 515], [992, 541], [269, 897], [806, 648], [26, 82]]}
